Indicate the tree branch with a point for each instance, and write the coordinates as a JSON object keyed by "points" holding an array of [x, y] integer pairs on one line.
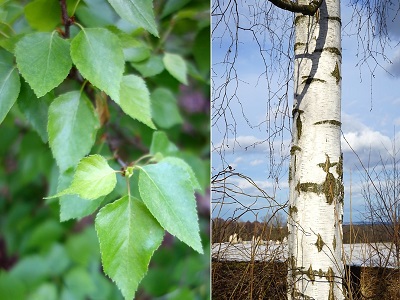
{"points": [[66, 20], [309, 9]]}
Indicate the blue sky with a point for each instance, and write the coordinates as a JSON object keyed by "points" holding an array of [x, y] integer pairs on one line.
{"points": [[370, 117]]}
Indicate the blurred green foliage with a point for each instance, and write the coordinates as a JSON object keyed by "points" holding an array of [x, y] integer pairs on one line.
{"points": [[44, 258]]}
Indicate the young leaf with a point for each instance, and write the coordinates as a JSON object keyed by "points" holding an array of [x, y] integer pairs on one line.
{"points": [[43, 60], [165, 110], [35, 109], [72, 128], [98, 55], [176, 66], [9, 83], [128, 236], [73, 206], [139, 13], [167, 190], [135, 99], [93, 178]]}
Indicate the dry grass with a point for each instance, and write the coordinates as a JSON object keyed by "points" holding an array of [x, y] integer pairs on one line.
{"points": [[246, 280], [267, 280]]}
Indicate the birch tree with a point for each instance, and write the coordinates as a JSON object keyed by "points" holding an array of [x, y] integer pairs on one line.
{"points": [[316, 168], [316, 165], [315, 175]]}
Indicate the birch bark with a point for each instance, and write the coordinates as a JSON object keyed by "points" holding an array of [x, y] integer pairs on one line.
{"points": [[316, 168]]}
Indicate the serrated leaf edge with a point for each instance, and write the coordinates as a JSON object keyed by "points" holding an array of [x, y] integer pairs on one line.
{"points": [[39, 93], [101, 211], [181, 225]]}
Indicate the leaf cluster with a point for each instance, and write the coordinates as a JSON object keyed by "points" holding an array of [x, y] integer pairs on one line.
{"points": [[104, 114]]}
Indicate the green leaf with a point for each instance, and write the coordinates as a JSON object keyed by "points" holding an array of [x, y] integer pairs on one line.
{"points": [[46, 291], [167, 190], [165, 110], [96, 13], [134, 49], [200, 167], [176, 66], [137, 12], [188, 169], [11, 287], [128, 236], [172, 6], [201, 50], [43, 60], [73, 206], [57, 259], [98, 55], [137, 53], [83, 248], [78, 281], [149, 67], [93, 178], [35, 266], [9, 43], [135, 99], [160, 143], [72, 128], [43, 235], [9, 83], [43, 21], [35, 109]]}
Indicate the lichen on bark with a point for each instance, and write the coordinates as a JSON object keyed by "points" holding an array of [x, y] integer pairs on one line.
{"points": [[319, 243], [336, 73]]}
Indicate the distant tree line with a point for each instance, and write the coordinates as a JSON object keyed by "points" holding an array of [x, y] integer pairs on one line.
{"points": [[268, 229], [276, 230]]}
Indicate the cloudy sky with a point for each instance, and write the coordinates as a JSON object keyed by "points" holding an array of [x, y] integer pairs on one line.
{"points": [[370, 116]]}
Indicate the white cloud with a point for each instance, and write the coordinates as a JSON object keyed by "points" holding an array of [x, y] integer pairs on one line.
{"points": [[244, 184], [394, 68], [361, 137], [257, 162], [372, 147], [366, 140]]}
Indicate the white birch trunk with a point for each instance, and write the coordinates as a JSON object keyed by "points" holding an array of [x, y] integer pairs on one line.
{"points": [[315, 175]]}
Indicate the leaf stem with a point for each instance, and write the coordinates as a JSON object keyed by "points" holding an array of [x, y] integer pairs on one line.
{"points": [[76, 6], [83, 86], [129, 187], [142, 157]]}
